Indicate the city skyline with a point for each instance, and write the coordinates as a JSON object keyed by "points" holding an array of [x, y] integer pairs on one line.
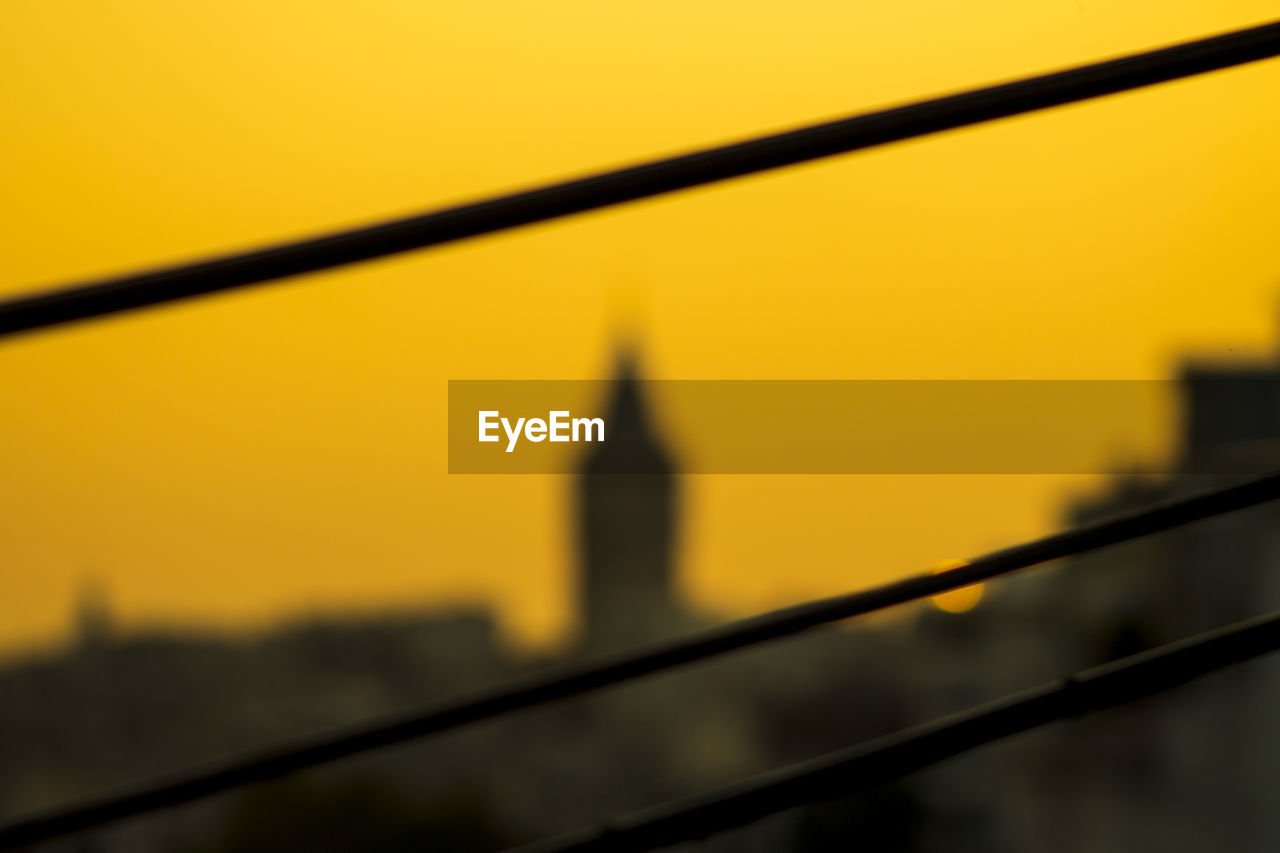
{"points": [[224, 463]]}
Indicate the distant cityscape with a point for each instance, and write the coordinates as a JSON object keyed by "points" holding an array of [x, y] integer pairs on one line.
{"points": [[1191, 770]]}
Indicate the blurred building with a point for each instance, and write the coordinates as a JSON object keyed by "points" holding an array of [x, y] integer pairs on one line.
{"points": [[627, 516], [1189, 770], [118, 707]]}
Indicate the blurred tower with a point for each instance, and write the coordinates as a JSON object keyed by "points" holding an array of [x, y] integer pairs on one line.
{"points": [[627, 504]]}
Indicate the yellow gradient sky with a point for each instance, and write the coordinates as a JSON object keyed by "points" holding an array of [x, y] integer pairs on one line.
{"points": [[244, 458]]}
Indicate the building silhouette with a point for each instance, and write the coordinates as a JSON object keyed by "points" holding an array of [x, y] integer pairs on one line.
{"points": [[1186, 771], [1232, 417], [1191, 770], [627, 508]]}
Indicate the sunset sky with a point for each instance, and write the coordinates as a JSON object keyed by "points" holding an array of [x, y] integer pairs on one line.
{"points": [[240, 459]]}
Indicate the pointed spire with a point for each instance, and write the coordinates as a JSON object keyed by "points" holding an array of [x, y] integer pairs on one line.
{"points": [[628, 317], [630, 444]]}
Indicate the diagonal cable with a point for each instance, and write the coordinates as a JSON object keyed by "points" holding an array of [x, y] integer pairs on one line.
{"points": [[885, 759], [573, 680], [82, 301]]}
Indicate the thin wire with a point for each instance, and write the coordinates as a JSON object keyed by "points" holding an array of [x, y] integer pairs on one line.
{"points": [[657, 177], [574, 680], [885, 759]]}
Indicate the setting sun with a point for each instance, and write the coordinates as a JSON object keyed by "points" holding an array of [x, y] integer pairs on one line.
{"points": [[959, 600]]}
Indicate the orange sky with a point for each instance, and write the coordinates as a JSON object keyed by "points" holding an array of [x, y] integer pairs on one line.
{"points": [[236, 459]]}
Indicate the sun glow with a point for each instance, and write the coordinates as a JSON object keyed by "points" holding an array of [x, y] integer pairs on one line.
{"points": [[960, 600]]}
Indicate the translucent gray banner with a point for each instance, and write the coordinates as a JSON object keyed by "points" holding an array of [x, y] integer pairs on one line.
{"points": [[859, 426]]}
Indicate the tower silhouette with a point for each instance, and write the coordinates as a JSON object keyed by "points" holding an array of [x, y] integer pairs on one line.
{"points": [[627, 509]]}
